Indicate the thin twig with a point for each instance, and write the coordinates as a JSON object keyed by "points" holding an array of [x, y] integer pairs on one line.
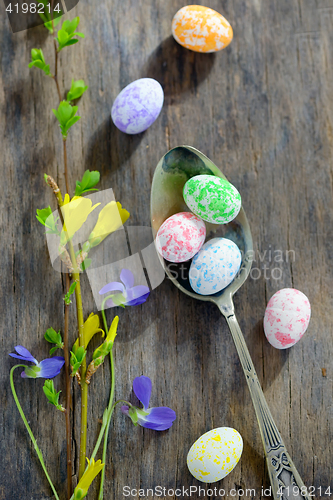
{"points": [[66, 344], [55, 76], [65, 164], [52, 183]]}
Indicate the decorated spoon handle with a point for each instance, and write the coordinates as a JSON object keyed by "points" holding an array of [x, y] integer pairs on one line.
{"points": [[285, 480]]}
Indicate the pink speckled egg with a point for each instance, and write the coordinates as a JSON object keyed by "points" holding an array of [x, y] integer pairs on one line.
{"points": [[180, 237], [286, 318]]}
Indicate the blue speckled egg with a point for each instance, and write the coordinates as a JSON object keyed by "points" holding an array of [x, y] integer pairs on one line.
{"points": [[215, 266], [137, 106]]}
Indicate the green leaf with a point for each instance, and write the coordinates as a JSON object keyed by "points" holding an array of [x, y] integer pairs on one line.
{"points": [[62, 36], [71, 42], [45, 217], [72, 121], [67, 32], [53, 337], [77, 90], [38, 61], [65, 25], [52, 395], [57, 20], [72, 25], [69, 293], [86, 264], [89, 180], [77, 356], [65, 115], [43, 214]]}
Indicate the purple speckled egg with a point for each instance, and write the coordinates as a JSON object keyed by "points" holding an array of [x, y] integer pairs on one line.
{"points": [[137, 106]]}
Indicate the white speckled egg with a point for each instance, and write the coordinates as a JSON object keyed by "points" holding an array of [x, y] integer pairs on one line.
{"points": [[137, 106], [286, 318], [180, 237], [215, 454], [201, 29], [215, 266], [212, 199]]}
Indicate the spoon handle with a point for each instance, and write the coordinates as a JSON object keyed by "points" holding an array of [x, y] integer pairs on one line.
{"points": [[285, 480]]}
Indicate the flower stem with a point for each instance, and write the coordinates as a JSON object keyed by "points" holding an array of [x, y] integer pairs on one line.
{"points": [[84, 385], [68, 397], [101, 432], [39, 453], [110, 405], [110, 412]]}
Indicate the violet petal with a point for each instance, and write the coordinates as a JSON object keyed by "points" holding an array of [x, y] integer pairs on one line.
{"points": [[156, 427], [138, 301], [142, 389], [160, 415], [127, 278], [23, 354], [51, 367], [114, 286]]}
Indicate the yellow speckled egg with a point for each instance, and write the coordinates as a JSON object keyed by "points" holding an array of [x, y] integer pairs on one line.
{"points": [[215, 454], [201, 29]]}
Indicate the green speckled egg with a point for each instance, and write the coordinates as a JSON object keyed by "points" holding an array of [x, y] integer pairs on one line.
{"points": [[212, 199]]}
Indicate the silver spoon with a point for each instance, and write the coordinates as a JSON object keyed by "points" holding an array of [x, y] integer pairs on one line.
{"points": [[172, 171]]}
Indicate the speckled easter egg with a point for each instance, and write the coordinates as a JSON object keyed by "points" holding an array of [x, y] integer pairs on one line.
{"points": [[215, 266], [212, 199], [201, 29], [286, 318], [137, 106], [215, 454], [180, 237]]}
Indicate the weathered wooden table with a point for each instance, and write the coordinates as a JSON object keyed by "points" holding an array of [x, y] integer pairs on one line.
{"points": [[262, 110]]}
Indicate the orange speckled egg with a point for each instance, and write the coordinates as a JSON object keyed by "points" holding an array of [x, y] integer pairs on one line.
{"points": [[201, 29]]}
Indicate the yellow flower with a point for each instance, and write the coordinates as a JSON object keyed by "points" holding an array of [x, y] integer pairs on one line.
{"points": [[110, 218], [91, 472], [67, 199], [104, 349], [113, 330], [90, 327], [75, 213]]}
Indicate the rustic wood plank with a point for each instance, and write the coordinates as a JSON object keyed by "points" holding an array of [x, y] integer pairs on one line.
{"points": [[262, 110]]}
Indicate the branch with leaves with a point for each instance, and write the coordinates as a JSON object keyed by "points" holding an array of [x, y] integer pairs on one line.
{"points": [[62, 224]]}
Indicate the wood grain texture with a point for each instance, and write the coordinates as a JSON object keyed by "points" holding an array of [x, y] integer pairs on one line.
{"points": [[262, 110]]}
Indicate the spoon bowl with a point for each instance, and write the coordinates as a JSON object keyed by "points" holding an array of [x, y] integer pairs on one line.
{"points": [[172, 172]]}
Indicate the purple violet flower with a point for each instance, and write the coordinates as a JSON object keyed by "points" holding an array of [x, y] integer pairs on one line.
{"points": [[48, 368], [158, 419], [134, 295]]}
